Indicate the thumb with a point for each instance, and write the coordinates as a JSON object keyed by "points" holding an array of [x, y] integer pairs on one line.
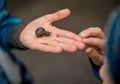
{"points": [[61, 14], [96, 57]]}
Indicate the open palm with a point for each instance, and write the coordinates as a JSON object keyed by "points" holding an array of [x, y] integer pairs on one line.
{"points": [[59, 39]]}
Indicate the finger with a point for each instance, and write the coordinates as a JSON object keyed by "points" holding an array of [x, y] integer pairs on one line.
{"points": [[68, 41], [63, 46], [47, 48], [96, 42], [93, 31], [67, 34], [68, 48], [57, 16], [96, 57]]}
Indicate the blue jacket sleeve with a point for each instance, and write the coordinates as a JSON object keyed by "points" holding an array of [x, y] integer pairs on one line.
{"points": [[95, 69], [10, 28]]}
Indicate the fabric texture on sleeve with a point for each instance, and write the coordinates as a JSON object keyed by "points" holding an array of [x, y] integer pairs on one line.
{"points": [[7, 25]]}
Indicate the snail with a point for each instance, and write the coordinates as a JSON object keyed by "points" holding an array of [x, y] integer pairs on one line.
{"points": [[40, 32]]}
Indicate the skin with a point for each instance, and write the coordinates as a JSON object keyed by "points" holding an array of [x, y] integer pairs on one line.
{"points": [[94, 40], [59, 40], [105, 74]]}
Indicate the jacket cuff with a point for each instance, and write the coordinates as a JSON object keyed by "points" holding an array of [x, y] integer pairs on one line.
{"points": [[95, 69], [14, 37]]}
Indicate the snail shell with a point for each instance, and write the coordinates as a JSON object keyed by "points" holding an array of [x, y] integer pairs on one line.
{"points": [[41, 32]]}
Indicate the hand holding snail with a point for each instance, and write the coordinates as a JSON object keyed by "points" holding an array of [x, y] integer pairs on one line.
{"points": [[50, 38]]}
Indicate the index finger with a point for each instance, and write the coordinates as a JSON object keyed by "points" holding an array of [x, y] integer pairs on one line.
{"points": [[92, 32], [66, 34]]}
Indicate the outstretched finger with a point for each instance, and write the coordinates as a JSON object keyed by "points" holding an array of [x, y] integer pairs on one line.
{"points": [[64, 33], [59, 15], [58, 43], [68, 41], [48, 48], [64, 46]]}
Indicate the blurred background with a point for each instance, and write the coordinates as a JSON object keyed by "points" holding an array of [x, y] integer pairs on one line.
{"points": [[65, 68]]}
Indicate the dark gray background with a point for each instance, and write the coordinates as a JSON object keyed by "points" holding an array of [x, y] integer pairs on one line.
{"points": [[65, 68]]}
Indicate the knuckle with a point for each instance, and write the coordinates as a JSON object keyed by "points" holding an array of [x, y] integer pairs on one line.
{"points": [[99, 29], [92, 28], [95, 28]]}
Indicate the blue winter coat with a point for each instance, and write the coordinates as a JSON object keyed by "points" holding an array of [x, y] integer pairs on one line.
{"points": [[10, 28]]}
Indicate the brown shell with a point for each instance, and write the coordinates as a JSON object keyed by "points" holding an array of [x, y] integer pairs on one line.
{"points": [[40, 32]]}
